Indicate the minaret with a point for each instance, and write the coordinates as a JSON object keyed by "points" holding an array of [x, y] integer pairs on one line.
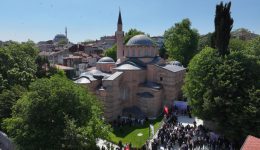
{"points": [[120, 37]]}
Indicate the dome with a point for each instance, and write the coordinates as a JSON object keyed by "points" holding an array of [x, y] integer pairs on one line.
{"points": [[106, 60], [59, 37], [141, 40], [177, 63]]}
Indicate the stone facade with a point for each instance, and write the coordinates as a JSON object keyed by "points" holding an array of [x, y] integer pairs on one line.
{"points": [[139, 84]]}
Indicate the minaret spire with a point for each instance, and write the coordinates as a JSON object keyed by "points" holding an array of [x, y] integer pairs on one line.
{"points": [[120, 37], [119, 17]]}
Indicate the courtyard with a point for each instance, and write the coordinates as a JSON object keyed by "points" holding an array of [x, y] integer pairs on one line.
{"points": [[136, 135]]}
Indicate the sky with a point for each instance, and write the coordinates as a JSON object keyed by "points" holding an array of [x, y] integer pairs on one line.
{"points": [[41, 20]]}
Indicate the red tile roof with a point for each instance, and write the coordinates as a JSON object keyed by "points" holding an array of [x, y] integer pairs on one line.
{"points": [[251, 143]]}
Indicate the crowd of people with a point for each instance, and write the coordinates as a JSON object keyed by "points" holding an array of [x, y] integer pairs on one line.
{"points": [[174, 135]]}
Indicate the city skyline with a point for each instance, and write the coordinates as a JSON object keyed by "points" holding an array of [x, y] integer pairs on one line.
{"points": [[42, 20]]}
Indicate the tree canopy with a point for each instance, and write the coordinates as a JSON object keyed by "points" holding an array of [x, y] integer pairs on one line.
{"points": [[8, 98], [181, 41], [225, 90], [56, 114], [17, 64], [111, 52], [132, 32], [223, 27]]}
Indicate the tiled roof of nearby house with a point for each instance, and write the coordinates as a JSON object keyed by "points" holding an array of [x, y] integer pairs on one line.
{"points": [[251, 143]]}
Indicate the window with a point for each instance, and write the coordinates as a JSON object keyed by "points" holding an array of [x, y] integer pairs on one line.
{"points": [[133, 53], [161, 78]]}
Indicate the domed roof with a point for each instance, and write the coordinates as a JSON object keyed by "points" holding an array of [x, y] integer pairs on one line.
{"points": [[141, 40], [106, 60], [59, 37]]}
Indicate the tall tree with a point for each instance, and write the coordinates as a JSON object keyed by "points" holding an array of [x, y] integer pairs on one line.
{"points": [[223, 27], [56, 114], [225, 90], [17, 64], [111, 52], [8, 98], [181, 41]]}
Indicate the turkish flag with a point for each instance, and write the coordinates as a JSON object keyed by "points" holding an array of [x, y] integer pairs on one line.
{"points": [[166, 110]]}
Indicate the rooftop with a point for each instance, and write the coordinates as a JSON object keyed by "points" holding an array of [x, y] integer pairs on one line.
{"points": [[140, 40], [251, 143]]}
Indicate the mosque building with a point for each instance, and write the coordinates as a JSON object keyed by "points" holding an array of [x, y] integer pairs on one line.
{"points": [[139, 83]]}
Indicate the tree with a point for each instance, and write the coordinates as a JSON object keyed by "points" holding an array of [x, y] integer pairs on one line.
{"points": [[223, 27], [253, 47], [225, 90], [17, 64], [44, 69], [111, 52], [205, 41], [236, 44], [181, 41], [8, 98], [163, 52], [130, 34], [56, 114]]}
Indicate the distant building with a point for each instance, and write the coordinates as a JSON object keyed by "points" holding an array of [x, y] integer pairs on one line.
{"points": [[90, 50], [60, 38], [55, 57], [139, 84]]}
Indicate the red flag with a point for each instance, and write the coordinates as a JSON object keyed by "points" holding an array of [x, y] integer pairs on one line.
{"points": [[166, 111]]}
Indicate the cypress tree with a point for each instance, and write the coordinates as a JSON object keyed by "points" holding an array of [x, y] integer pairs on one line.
{"points": [[223, 27]]}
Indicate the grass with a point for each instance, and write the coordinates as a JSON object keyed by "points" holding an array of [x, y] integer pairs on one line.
{"points": [[128, 134]]}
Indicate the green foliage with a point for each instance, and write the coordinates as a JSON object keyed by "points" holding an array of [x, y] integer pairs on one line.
{"points": [[111, 52], [205, 41], [44, 69], [130, 34], [225, 90], [17, 64], [63, 42], [163, 52], [56, 114], [236, 44], [223, 27], [253, 47], [181, 41], [7, 99]]}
